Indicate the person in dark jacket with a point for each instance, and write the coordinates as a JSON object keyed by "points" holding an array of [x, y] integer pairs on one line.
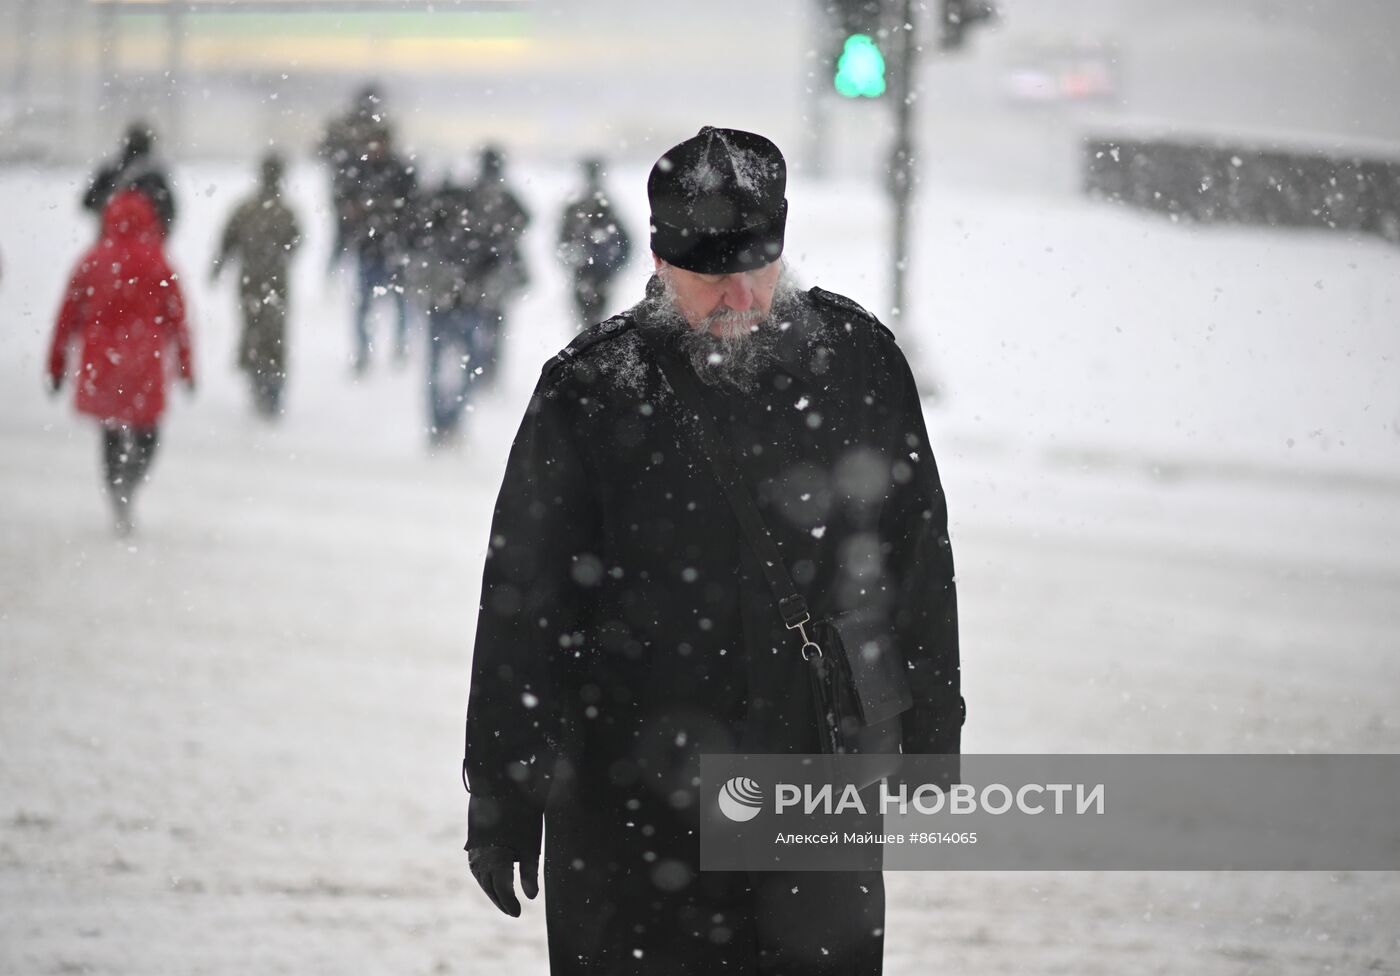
{"points": [[123, 305], [380, 211], [499, 221], [136, 167], [452, 257], [261, 236], [625, 628], [593, 244], [343, 147]]}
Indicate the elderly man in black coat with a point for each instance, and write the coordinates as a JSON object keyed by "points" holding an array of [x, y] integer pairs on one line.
{"points": [[626, 627]]}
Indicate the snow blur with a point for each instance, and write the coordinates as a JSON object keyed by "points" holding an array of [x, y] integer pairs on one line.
{"points": [[231, 742]]}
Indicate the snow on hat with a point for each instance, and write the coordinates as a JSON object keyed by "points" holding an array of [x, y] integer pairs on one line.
{"points": [[717, 203]]}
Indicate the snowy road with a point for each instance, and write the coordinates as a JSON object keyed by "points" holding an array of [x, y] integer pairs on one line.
{"points": [[232, 745]]}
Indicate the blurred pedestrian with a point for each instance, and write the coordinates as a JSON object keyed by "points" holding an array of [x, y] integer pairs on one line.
{"points": [[499, 221], [380, 210], [343, 147], [124, 306], [261, 236], [593, 244], [452, 256], [136, 167]]}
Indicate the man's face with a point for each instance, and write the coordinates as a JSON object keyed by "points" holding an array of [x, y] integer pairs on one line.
{"points": [[725, 305]]}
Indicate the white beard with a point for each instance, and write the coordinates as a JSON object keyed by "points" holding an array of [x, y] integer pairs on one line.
{"points": [[726, 348], [730, 326]]}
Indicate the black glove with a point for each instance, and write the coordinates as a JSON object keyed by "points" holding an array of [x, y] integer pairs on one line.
{"points": [[494, 869], [54, 384]]}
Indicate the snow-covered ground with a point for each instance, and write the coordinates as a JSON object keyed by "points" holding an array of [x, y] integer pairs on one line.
{"points": [[231, 744]]}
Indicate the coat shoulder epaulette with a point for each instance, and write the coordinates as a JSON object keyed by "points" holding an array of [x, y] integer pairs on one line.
{"points": [[587, 340], [851, 309]]}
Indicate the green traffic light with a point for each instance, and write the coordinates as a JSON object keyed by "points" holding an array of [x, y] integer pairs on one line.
{"points": [[860, 71]]}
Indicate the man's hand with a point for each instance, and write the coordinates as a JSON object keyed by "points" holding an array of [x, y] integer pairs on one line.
{"points": [[54, 384], [494, 869]]}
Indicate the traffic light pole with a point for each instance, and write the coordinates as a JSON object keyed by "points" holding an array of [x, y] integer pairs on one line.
{"points": [[901, 184], [901, 161], [814, 97]]}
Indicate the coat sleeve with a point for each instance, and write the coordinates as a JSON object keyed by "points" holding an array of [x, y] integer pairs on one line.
{"points": [[529, 627], [520, 217], [293, 233], [70, 320], [914, 528], [228, 241], [177, 325]]}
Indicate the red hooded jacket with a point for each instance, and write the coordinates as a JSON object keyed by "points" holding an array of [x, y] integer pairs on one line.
{"points": [[124, 304]]}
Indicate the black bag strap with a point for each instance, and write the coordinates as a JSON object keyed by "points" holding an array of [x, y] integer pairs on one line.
{"points": [[791, 605]]}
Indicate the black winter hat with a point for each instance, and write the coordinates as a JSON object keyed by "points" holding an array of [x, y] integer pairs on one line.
{"points": [[139, 141], [272, 167], [717, 203]]}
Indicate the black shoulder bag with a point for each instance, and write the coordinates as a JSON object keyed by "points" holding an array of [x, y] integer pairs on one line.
{"points": [[858, 685]]}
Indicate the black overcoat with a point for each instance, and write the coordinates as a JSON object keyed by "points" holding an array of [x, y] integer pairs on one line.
{"points": [[624, 629]]}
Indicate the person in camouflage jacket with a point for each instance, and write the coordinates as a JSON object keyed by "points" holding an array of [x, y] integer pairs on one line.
{"points": [[261, 236]]}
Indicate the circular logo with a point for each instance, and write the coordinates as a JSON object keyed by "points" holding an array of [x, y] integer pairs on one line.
{"points": [[740, 799]]}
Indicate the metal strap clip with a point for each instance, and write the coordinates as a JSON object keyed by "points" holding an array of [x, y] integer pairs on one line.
{"points": [[800, 627]]}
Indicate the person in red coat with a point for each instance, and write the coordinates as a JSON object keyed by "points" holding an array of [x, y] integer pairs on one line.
{"points": [[123, 304]]}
